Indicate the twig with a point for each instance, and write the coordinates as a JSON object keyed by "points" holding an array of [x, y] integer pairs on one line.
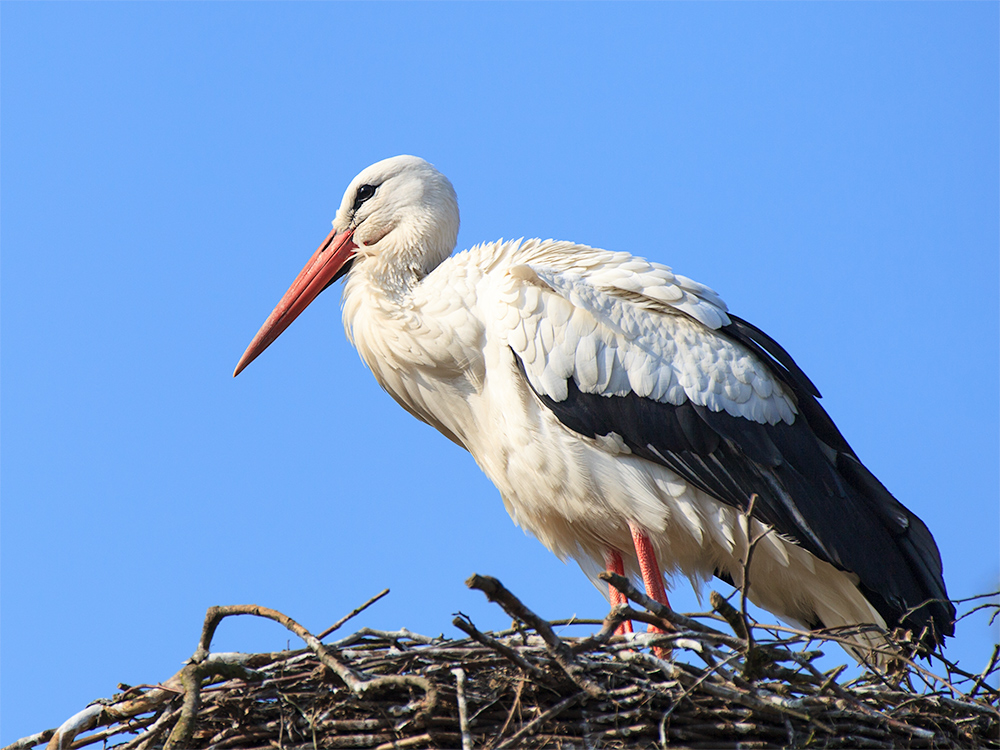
{"points": [[566, 621], [730, 614], [513, 606], [353, 613], [393, 635], [424, 740], [625, 586], [31, 740], [990, 667], [106, 714], [618, 614], [153, 732], [81, 721], [756, 661], [463, 708], [357, 684], [538, 720], [738, 696], [507, 652], [844, 695], [990, 595], [747, 517], [191, 677], [977, 608], [832, 679]]}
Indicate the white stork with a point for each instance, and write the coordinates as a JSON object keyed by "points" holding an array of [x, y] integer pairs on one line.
{"points": [[624, 414]]}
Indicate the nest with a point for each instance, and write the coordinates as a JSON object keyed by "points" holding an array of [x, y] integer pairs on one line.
{"points": [[693, 686]]}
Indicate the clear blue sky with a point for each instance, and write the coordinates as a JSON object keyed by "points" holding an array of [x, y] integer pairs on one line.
{"points": [[830, 169]]}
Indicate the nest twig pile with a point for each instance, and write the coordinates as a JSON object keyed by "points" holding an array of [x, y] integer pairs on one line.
{"points": [[528, 687]]}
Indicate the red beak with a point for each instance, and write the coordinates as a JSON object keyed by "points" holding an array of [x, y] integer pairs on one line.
{"points": [[321, 271]]}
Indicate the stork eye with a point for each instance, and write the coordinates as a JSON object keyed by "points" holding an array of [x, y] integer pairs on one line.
{"points": [[364, 193]]}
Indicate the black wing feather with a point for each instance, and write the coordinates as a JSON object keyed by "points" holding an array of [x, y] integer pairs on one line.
{"points": [[810, 485]]}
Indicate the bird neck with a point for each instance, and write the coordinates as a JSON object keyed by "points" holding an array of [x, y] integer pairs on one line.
{"points": [[393, 273], [393, 282], [377, 293], [397, 321]]}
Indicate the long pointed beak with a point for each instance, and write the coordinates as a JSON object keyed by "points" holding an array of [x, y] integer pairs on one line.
{"points": [[323, 268]]}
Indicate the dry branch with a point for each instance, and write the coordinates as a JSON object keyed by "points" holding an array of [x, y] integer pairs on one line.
{"points": [[382, 690]]}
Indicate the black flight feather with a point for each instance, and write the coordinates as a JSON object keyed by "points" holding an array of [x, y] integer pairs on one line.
{"points": [[810, 485]]}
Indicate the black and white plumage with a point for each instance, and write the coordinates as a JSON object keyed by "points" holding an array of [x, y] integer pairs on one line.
{"points": [[624, 414]]}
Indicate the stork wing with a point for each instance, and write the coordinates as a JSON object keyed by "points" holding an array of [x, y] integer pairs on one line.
{"points": [[656, 359]]}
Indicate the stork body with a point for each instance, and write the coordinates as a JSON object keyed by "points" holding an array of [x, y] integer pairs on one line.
{"points": [[624, 415]]}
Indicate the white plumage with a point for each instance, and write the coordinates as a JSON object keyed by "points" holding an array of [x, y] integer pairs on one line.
{"points": [[443, 355], [613, 401]]}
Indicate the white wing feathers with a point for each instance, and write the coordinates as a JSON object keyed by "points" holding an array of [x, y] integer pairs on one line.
{"points": [[625, 325]]}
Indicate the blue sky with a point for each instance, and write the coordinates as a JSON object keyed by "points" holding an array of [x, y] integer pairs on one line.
{"points": [[830, 169]]}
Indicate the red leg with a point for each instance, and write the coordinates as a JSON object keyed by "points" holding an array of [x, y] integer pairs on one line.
{"points": [[613, 562], [651, 575]]}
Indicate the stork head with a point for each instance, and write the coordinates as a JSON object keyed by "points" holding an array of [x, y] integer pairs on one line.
{"points": [[402, 212], [399, 214]]}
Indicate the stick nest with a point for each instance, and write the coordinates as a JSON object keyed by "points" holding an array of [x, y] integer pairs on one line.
{"points": [[694, 686]]}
